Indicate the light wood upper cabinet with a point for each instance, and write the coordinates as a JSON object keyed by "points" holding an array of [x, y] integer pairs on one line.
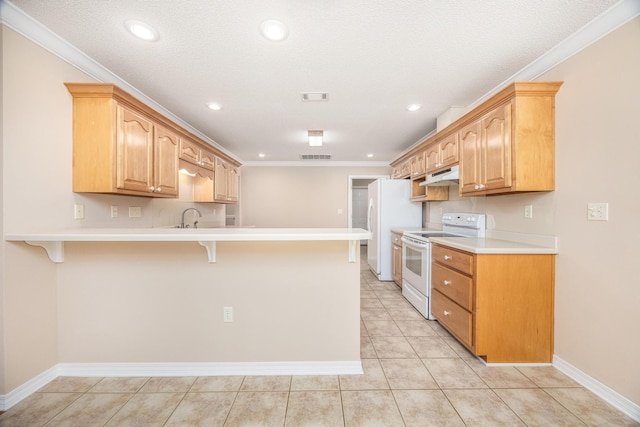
{"points": [[417, 165], [165, 166], [118, 148], [442, 154], [195, 153], [511, 147], [147, 155], [121, 146], [226, 182], [505, 145], [401, 170]]}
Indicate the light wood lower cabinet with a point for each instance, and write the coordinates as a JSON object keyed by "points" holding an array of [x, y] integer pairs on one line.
{"points": [[396, 258], [499, 306]]}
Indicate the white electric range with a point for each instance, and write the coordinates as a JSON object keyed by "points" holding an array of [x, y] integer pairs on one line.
{"points": [[416, 255]]}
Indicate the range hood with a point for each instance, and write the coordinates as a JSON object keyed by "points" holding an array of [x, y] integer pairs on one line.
{"points": [[444, 177]]}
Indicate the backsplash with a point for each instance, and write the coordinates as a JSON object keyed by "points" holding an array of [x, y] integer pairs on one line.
{"points": [[153, 212], [504, 212]]}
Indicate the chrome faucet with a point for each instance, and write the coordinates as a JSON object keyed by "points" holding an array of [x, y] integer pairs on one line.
{"points": [[195, 223]]}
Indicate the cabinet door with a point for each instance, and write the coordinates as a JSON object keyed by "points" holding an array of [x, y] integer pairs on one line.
{"points": [[207, 159], [134, 151], [165, 147], [396, 264], [189, 151], [432, 158], [233, 179], [220, 181], [449, 152], [496, 145], [470, 157]]}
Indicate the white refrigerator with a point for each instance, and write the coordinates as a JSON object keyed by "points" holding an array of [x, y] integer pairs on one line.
{"points": [[389, 207]]}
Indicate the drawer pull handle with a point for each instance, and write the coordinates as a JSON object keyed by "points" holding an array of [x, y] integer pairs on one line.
{"points": [[447, 257], [446, 282], [446, 313]]}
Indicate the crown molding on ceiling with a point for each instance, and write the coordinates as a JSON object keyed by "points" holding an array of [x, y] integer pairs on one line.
{"points": [[16, 19], [599, 27], [25, 25]]}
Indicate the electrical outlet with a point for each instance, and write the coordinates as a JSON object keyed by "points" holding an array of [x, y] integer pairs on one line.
{"points": [[135, 211], [528, 211], [114, 212], [78, 211], [598, 211], [227, 314]]}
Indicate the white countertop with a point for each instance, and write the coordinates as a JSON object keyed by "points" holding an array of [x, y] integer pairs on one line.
{"points": [[52, 241], [492, 246], [168, 234]]}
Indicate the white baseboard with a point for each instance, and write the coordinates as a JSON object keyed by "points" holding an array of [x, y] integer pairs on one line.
{"points": [[176, 370], [607, 394], [25, 390]]}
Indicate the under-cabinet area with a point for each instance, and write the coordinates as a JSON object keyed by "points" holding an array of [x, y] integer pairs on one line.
{"points": [[121, 146], [499, 305]]}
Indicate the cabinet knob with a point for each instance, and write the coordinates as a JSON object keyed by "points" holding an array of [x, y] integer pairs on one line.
{"points": [[447, 282], [446, 313], [447, 257], [152, 188], [159, 189]]}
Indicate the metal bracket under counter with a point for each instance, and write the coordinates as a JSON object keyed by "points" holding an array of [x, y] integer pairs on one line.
{"points": [[55, 249]]}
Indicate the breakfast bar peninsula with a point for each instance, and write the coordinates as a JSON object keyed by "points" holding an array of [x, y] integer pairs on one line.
{"points": [[216, 301]]}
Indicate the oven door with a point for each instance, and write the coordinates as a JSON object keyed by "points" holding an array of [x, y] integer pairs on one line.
{"points": [[415, 264]]}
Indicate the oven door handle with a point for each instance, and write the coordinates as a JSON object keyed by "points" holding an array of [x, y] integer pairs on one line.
{"points": [[414, 243]]}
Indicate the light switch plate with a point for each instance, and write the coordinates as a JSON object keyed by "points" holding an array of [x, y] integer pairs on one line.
{"points": [[598, 211]]}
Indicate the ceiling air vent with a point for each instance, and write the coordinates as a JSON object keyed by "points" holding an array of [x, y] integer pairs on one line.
{"points": [[315, 156], [315, 96]]}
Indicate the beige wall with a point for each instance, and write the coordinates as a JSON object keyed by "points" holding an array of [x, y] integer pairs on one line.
{"points": [[164, 303], [597, 271], [298, 196]]}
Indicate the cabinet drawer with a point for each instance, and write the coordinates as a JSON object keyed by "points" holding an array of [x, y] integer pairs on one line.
{"points": [[455, 318], [395, 239], [455, 285], [453, 258]]}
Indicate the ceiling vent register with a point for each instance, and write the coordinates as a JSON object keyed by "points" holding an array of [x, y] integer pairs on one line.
{"points": [[315, 156]]}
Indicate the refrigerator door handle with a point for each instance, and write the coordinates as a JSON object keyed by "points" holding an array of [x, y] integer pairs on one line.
{"points": [[369, 214]]}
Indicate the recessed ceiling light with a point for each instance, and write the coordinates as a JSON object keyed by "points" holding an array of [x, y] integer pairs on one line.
{"points": [[413, 107], [273, 30], [214, 106], [315, 138], [262, 155], [369, 155], [141, 30]]}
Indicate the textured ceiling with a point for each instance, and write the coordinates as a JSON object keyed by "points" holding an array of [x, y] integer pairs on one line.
{"points": [[373, 57]]}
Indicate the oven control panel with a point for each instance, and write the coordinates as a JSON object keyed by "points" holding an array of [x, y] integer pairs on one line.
{"points": [[467, 220]]}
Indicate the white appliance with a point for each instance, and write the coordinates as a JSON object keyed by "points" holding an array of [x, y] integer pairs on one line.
{"points": [[389, 207], [416, 256]]}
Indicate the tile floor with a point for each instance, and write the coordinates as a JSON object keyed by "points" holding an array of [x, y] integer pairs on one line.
{"points": [[415, 374]]}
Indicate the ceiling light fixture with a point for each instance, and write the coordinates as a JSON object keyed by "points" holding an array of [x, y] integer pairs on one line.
{"points": [[141, 30], [214, 106], [274, 30], [413, 107], [369, 155], [261, 155], [315, 138]]}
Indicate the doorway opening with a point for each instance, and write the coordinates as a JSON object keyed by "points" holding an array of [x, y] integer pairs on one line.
{"points": [[359, 200]]}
